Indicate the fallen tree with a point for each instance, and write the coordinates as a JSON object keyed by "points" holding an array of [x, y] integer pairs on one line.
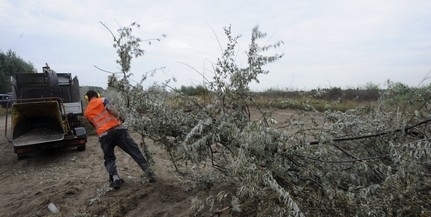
{"points": [[353, 163]]}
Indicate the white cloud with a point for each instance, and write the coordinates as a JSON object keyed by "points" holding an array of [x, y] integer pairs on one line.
{"points": [[343, 43]]}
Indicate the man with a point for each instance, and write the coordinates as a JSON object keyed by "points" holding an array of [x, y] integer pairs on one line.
{"points": [[107, 122]]}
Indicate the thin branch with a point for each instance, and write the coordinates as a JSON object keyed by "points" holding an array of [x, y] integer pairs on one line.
{"points": [[212, 154], [109, 30], [171, 156], [314, 181], [203, 76], [344, 161], [372, 135], [218, 41], [103, 70], [345, 152]]}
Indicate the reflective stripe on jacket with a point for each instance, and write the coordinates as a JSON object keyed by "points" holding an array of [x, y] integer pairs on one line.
{"points": [[97, 114]]}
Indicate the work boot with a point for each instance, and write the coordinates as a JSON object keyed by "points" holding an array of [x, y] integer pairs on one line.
{"points": [[116, 184], [150, 176]]}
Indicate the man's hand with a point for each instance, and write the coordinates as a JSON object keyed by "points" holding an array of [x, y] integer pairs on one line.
{"points": [[121, 119], [116, 114]]}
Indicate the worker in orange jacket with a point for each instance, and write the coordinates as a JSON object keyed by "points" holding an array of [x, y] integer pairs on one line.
{"points": [[107, 122]]}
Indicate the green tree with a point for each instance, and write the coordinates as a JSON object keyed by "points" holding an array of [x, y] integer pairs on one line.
{"points": [[230, 82], [9, 64], [128, 46]]}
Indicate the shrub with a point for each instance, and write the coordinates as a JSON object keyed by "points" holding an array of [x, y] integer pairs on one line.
{"points": [[194, 90]]}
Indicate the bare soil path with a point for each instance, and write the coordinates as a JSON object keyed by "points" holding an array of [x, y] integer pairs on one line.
{"points": [[77, 183]]}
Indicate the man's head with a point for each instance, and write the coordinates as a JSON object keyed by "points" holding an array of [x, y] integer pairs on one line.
{"points": [[90, 94]]}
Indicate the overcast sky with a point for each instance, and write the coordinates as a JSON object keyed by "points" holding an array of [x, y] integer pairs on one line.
{"points": [[333, 43]]}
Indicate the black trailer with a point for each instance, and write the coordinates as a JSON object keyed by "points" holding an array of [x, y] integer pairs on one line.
{"points": [[45, 109]]}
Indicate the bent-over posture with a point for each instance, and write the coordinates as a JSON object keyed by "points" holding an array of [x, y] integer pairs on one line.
{"points": [[107, 122]]}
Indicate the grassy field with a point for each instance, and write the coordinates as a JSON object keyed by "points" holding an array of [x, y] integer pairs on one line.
{"points": [[334, 99]]}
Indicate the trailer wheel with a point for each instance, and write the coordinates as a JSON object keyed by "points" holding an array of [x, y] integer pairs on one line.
{"points": [[81, 148]]}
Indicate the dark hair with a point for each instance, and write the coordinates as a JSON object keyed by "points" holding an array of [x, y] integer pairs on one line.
{"points": [[92, 93]]}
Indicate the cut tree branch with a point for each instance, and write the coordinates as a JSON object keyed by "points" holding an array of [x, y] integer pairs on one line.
{"points": [[371, 135], [344, 161]]}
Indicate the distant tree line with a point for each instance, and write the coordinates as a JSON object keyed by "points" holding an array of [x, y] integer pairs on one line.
{"points": [[11, 63], [194, 90]]}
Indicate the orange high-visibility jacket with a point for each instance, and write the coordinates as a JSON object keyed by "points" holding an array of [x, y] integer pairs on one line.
{"points": [[97, 114]]}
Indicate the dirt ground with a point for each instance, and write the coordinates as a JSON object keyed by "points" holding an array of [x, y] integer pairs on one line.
{"points": [[77, 183]]}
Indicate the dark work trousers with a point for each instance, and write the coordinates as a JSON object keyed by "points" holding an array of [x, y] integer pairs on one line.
{"points": [[119, 136]]}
